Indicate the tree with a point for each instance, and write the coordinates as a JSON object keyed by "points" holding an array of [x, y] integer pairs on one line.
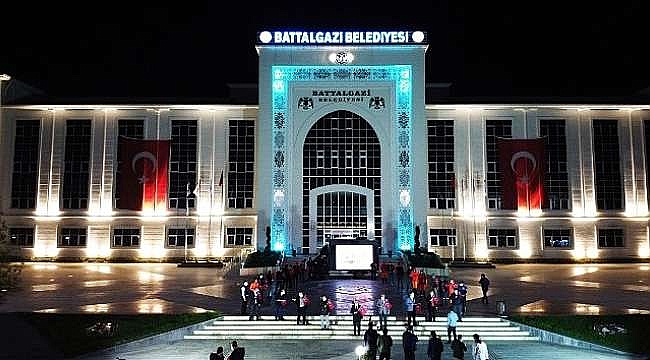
{"points": [[267, 249], [9, 271]]}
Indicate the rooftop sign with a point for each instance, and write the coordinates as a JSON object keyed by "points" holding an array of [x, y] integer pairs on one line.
{"points": [[341, 37]]}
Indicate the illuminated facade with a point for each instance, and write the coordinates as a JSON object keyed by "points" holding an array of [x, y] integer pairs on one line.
{"points": [[342, 144]]}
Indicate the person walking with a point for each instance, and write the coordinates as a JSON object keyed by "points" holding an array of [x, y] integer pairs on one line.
{"points": [[301, 308], [383, 307], [480, 350], [218, 355], [409, 343], [457, 304], [409, 307], [237, 352], [384, 345], [253, 300], [281, 305], [432, 303], [452, 321], [243, 290], [355, 310], [458, 348], [370, 338], [325, 311], [435, 347], [485, 284]]}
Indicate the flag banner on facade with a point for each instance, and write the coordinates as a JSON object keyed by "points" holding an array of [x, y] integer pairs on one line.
{"points": [[521, 162], [143, 174], [221, 178]]}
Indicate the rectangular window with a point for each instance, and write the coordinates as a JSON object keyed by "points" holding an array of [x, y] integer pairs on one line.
{"points": [[335, 159], [21, 237], [363, 159], [609, 187], [76, 164], [131, 128], [239, 236], [442, 180], [495, 129], [241, 160], [556, 174], [558, 238], [348, 159], [126, 237], [442, 237], [182, 164], [320, 159], [502, 238], [72, 237], [608, 238], [25, 170], [176, 237]]}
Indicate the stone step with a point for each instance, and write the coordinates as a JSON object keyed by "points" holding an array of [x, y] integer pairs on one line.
{"points": [[495, 319], [396, 339], [437, 328], [319, 331], [400, 323]]}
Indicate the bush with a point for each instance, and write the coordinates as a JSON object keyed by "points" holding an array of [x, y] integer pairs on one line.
{"points": [[262, 259], [424, 259]]}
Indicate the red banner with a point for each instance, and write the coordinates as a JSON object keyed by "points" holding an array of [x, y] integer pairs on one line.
{"points": [[143, 174], [521, 162]]}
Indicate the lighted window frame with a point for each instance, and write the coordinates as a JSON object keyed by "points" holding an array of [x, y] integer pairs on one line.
{"points": [[503, 238], [73, 237], [125, 237], [21, 236], [176, 237], [611, 238], [239, 236], [442, 237], [558, 238]]}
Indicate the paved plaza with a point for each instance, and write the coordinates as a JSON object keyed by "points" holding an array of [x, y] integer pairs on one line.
{"points": [[167, 288]]}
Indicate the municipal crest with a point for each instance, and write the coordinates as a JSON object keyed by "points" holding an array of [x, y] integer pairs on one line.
{"points": [[305, 103], [377, 103]]}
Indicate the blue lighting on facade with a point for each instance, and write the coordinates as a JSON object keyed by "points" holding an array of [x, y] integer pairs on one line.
{"points": [[400, 75]]}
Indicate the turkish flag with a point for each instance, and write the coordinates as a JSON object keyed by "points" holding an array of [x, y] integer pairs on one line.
{"points": [[521, 162], [143, 174]]}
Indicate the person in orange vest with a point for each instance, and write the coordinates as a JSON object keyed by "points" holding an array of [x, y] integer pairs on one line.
{"points": [[414, 278]]}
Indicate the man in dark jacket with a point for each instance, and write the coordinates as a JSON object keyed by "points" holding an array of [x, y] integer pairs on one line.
{"points": [[384, 345], [434, 350], [459, 348], [370, 338], [409, 343], [237, 352], [355, 310]]}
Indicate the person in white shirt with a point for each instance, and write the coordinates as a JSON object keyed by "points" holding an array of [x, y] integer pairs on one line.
{"points": [[480, 350]]}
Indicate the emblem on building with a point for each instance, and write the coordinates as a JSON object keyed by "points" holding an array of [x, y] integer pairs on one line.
{"points": [[305, 103], [343, 58], [377, 103]]}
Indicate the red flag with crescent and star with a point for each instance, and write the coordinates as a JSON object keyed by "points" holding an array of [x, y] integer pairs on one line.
{"points": [[143, 174], [521, 162]]}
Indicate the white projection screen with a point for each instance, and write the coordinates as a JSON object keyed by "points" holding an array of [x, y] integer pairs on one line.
{"points": [[354, 257]]}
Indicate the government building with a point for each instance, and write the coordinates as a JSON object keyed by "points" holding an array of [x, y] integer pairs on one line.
{"points": [[342, 140]]}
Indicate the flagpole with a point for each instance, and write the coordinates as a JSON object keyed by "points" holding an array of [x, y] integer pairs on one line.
{"points": [[187, 214]]}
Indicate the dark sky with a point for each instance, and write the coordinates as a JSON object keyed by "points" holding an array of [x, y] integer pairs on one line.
{"points": [[490, 48]]}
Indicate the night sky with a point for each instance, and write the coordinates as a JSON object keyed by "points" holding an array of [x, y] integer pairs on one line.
{"points": [[488, 48]]}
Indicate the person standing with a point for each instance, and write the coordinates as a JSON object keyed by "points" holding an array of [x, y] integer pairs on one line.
{"points": [[370, 338], [217, 355], [452, 321], [243, 290], [399, 274], [301, 308], [462, 291], [383, 308], [280, 305], [458, 348], [409, 343], [384, 345], [355, 310], [236, 353], [325, 311], [432, 303], [480, 350], [409, 306], [254, 302], [435, 347], [485, 284], [457, 304]]}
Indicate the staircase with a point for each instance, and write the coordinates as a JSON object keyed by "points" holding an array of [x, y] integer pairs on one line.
{"points": [[239, 327]]}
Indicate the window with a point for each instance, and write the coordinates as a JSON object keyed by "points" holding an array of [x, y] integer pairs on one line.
{"points": [[502, 238], [335, 159], [608, 238], [363, 157], [348, 159], [239, 236], [72, 237], [76, 164], [442, 180], [182, 164], [176, 237], [609, 187], [131, 128], [495, 129], [442, 237], [127, 237], [241, 158], [25, 169], [556, 175], [558, 238], [320, 159], [21, 237]]}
